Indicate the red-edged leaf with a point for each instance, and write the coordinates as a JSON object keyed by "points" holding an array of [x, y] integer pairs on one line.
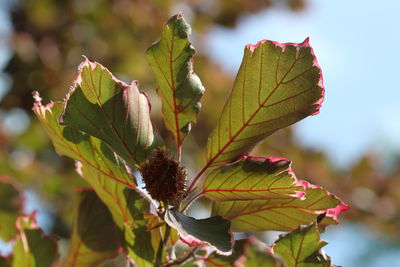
{"points": [[95, 237], [115, 112], [179, 88], [10, 208], [109, 177], [302, 248], [76, 145], [280, 214], [253, 178], [128, 210], [32, 247], [276, 86]]}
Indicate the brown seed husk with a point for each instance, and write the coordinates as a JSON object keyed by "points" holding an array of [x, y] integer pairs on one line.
{"points": [[164, 178]]}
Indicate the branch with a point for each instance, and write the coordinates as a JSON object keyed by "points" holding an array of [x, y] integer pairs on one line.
{"points": [[184, 258]]}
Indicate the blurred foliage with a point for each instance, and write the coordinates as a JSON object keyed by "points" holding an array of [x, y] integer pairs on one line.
{"points": [[48, 40]]}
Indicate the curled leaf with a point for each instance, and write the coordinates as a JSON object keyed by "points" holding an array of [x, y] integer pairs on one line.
{"points": [[194, 232], [102, 106], [179, 88]]}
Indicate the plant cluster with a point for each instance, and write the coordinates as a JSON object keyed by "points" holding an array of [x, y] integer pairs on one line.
{"points": [[135, 207]]}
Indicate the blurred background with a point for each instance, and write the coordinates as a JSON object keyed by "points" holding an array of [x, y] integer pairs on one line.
{"points": [[352, 148]]}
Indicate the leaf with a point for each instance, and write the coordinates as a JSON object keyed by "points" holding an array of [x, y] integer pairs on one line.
{"points": [[76, 145], [115, 112], [302, 248], [179, 88], [194, 232], [32, 247], [109, 177], [10, 208], [129, 211], [280, 214], [252, 178], [276, 86], [256, 254], [95, 237], [217, 260], [248, 252]]}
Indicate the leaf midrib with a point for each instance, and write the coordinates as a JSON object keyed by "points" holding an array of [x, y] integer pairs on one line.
{"points": [[110, 121], [211, 161]]}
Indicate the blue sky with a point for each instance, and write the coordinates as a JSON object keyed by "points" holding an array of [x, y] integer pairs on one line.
{"points": [[356, 46]]}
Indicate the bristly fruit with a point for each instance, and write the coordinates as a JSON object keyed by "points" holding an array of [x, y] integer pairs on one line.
{"points": [[164, 178]]}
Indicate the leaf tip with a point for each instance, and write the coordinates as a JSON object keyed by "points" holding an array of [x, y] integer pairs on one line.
{"points": [[38, 107], [78, 168], [334, 212], [29, 220], [306, 42], [331, 212], [36, 98]]}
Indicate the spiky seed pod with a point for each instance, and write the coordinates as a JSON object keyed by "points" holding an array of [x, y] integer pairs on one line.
{"points": [[164, 178]]}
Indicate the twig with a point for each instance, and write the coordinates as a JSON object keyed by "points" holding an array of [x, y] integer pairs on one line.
{"points": [[163, 244], [183, 258]]}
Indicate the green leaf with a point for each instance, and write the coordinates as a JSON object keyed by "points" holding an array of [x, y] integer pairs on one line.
{"points": [[252, 178], [115, 112], [302, 248], [257, 254], [129, 211], [32, 247], [179, 88], [10, 208], [109, 177], [76, 145], [280, 214], [95, 237], [276, 86], [194, 232]]}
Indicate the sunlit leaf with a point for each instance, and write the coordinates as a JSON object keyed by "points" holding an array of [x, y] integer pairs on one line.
{"points": [[194, 232], [76, 145], [111, 110], [179, 87], [280, 214], [10, 208], [32, 247], [302, 248], [109, 177], [128, 210], [95, 237], [252, 178], [276, 86]]}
